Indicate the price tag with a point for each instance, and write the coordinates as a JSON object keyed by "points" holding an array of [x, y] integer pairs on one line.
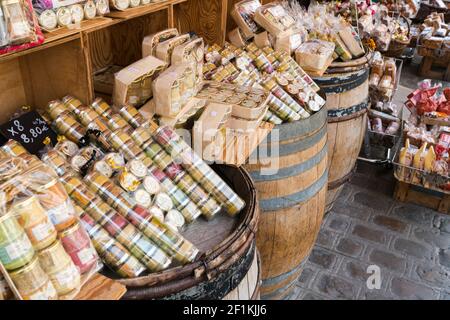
{"points": [[30, 130]]}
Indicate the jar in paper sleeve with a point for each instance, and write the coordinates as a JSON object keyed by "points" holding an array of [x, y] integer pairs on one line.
{"points": [[206, 204], [56, 202], [199, 170], [78, 245], [33, 283], [60, 268], [33, 218], [16, 249], [14, 148], [72, 104], [171, 242], [115, 255], [102, 108]]}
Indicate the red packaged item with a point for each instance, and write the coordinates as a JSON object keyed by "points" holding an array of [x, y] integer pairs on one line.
{"points": [[447, 93], [425, 104], [23, 31], [443, 145], [444, 107], [78, 245]]}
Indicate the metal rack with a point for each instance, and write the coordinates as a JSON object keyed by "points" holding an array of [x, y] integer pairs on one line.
{"points": [[380, 142]]}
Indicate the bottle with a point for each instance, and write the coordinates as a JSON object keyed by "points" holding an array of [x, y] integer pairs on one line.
{"points": [[4, 41]]}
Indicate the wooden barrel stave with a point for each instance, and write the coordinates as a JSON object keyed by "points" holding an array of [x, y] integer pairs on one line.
{"points": [[347, 103], [249, 287], [292, 201]]}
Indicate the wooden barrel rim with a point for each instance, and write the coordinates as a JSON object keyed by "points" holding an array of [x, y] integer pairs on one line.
{"points": [[213, 289], [340, 115], [300, 128], [332, 185], [343, 83], [211, 263], [362, 60]]}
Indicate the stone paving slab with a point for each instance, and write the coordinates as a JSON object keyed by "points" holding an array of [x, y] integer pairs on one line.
{"points": [[409, 244]]}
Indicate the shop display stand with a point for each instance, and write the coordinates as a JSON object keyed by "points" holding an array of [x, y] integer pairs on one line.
{"points": [[425, 192], [69, 59], [406, 192], [385, 143], [429, 63]]}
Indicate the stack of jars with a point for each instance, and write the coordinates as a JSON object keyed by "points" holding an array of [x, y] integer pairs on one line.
{"points": [[42, 246], [146, 183], [171, 154]]}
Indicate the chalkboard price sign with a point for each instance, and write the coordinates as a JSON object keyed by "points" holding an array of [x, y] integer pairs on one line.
{"points": [[30, 130]]}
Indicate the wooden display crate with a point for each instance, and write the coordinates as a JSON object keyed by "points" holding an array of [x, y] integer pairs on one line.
{"points": [[438, 201]]}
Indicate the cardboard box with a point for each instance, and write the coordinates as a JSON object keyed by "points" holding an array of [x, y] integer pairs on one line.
{"points": [[281, 21], [164, 49], [150, 43], [248, 28], [132, 76], [192, 52], [173, 89]]}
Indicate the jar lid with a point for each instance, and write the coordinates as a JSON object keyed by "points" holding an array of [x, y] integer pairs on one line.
{"points": [[164, 202]]}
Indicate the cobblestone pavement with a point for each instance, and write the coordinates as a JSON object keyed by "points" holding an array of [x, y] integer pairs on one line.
{"points": [[410, 245]]}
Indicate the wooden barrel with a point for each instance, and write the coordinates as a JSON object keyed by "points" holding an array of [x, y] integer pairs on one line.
{"points": [[290, 173], [347, 89], [228, 266]]}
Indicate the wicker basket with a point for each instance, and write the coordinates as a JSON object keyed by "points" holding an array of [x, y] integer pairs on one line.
{"points": [[396, 47]]}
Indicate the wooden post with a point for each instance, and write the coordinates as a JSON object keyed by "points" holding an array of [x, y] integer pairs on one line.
{"points": [[401, 191]]}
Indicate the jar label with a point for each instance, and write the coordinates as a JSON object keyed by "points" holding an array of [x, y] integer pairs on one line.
{"points": [[86, 255], [45, 293], [42, 231], [61, 213], [15, 250], [67, 276]]}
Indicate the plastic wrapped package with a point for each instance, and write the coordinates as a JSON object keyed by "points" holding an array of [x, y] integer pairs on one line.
{"points": [[182, 179], [19, 28], [199, 170], [60, 268], [4, 37], [243, 14], [315, 55], [172, 243], [116, 256], [41, 242], [274, 18]]}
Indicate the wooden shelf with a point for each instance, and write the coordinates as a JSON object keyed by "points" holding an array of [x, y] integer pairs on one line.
{"points": [[143, 10], [62, 35], [85, 25]]}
